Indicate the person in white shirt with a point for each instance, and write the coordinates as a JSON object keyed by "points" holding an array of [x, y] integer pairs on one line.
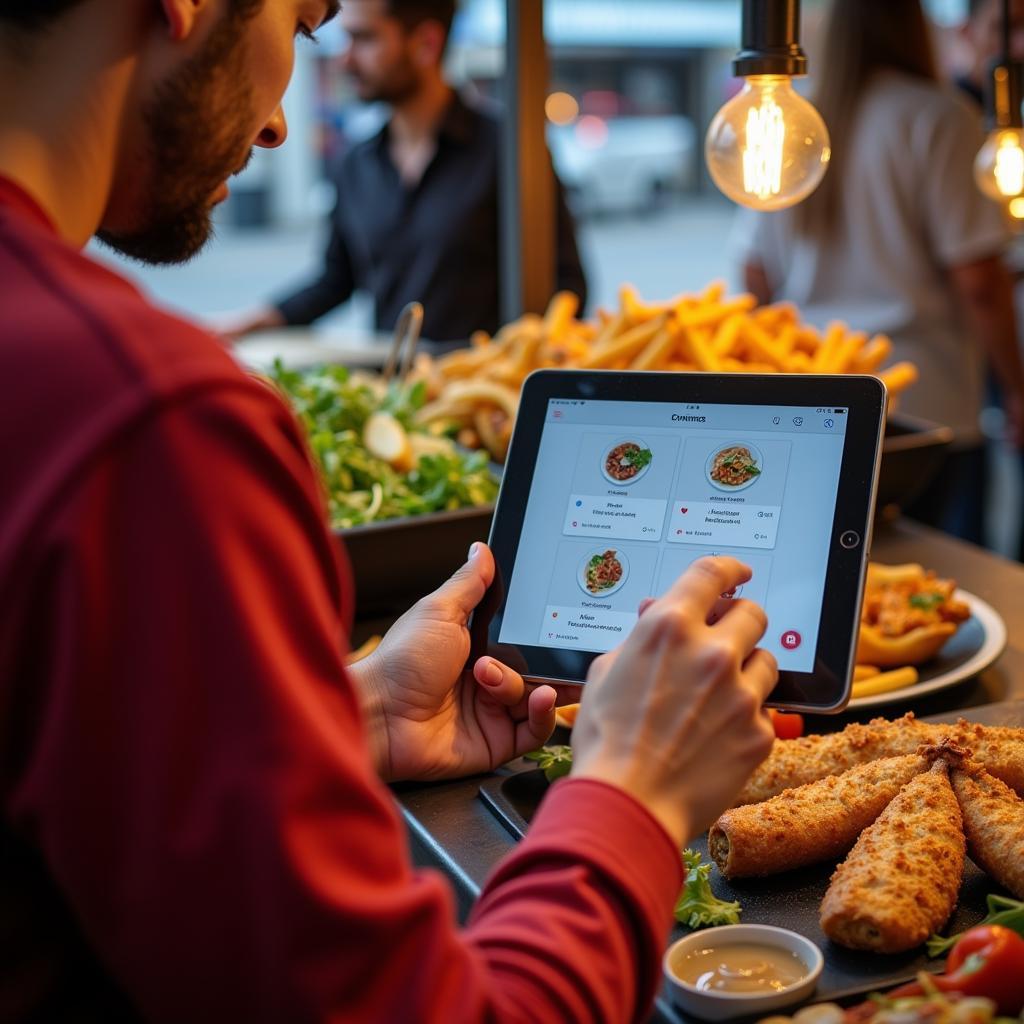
{"points": [[898, 239]]}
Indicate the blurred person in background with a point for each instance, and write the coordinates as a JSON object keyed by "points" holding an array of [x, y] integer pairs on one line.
{"points": [[982, 37], [194, 821], [899, 240], [416, 217]]}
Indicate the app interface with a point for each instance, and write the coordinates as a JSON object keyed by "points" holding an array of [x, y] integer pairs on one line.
{"points": [[627, 494]]}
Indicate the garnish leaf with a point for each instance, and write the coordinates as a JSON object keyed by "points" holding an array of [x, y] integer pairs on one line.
{"points": [[555, 761], [697, 906]]}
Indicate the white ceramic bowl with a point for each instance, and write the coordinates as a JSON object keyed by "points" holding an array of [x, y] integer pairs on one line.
{"points": [[727, 1005]]}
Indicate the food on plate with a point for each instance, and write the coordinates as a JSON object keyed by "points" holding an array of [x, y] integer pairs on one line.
{"points": [[901, 881], [986, 961], [603, 572], [983, 979], [698, 906], [814, 757], [795, 762], [706, 332], [884, 682], [734, 466], [1002, 910], [1003, 759], [373, 459], [993, 817], [385, 438], [929, 1005], [907, 617], [787, 726], [555, 761], [565, 716], [626, 460], [816, 822]]}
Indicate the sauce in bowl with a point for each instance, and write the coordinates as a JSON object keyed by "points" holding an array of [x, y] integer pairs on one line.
{"points": [[746, 967]]}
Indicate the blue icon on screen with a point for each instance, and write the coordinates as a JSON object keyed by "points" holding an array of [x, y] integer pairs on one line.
{"points": [[829, 424], [579, 504]]}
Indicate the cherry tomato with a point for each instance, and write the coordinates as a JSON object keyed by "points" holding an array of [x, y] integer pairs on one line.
{"points": [[987, 961], [787, 726]]}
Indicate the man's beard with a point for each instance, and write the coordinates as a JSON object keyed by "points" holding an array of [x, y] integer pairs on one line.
{"points": [[197, 127], [398, 86]]}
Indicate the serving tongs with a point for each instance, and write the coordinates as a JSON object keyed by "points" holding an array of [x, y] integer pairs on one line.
{"points": [[404, 342]]}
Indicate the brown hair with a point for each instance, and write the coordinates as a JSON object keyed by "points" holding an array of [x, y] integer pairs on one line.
{"points": [[32, 15], [861, 38], [412, 12]]}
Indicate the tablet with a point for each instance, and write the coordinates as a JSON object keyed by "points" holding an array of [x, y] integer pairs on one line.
{"points": [[616, 482]]}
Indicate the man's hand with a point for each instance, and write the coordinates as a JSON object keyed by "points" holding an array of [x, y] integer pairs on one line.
{"points": [[429, 718], [673, 715], [232, 327]]}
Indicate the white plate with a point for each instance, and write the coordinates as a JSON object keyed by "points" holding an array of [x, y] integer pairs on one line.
{"points": [[729, 488], [581, 573], [974, 646], [642, 445]]}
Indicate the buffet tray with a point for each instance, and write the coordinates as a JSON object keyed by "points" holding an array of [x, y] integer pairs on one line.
{"points": [[792, 900], [398, 561], [913, 454]]}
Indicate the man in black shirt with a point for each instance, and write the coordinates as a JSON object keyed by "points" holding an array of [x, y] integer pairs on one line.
{"points": [[417, 210]]}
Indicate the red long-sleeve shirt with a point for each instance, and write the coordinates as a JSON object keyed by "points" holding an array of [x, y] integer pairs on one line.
{"points": [[190, 825]]}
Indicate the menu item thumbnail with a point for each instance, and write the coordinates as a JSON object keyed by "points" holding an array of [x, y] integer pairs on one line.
{"points": [[603, 571], [735, 467], [626, 461]]}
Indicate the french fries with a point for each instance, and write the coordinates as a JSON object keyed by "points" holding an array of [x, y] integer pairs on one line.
{"points": [[473, 393], [885, 682]]}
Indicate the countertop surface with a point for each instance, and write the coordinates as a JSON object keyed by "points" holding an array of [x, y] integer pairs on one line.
{"points": [[452, 829]]}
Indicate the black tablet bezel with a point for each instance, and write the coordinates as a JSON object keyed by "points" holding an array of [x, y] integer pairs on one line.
{"points": [[827, 688]]}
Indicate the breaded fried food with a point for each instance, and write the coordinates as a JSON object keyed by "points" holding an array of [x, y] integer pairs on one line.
{"points": [[797, 762], [993, 817], [999, 748], [901, 881], [817, 822]]}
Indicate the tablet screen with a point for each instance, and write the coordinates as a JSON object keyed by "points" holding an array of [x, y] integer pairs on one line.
{"points": [[627, 494]]}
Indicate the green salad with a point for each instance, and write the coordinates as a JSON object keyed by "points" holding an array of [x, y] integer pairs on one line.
{"points": [[375, 461]]}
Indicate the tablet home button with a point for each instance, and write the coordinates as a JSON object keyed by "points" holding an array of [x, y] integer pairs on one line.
{"points": [[850, 539]]}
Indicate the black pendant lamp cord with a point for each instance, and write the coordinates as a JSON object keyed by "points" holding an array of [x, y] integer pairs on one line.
{"points": [[1006, 31]]}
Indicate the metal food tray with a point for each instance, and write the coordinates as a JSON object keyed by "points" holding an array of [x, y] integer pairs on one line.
{"points": [[397, 561], [791, 900], [913, 454]]}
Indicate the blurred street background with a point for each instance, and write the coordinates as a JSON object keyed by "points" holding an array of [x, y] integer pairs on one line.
{"points": [[633, 88]]}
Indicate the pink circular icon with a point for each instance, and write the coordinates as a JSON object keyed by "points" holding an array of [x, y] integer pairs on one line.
{"points": [[791, 639]]}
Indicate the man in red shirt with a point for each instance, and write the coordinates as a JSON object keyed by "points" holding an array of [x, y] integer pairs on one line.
{"points": [[193, 817]]}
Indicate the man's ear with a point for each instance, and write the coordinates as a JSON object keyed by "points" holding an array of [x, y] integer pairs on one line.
{"points": [[181, 17]]}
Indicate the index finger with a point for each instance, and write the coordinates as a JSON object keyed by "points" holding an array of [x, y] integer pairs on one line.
{"points": [[705, 581]]}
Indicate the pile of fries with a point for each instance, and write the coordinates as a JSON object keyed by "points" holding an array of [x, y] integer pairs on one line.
{"points": [[475, 391]]}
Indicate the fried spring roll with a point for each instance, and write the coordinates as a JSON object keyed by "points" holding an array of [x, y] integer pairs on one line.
{"points": [[816, 822], [993, 818], [901, 881], [797, 762], [999, 750]]}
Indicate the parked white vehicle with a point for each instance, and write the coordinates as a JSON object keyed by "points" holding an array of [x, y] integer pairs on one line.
{"points": [[622, 163]]}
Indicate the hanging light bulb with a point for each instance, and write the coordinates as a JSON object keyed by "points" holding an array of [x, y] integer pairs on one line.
{"points": [[999, 165], [768, 148]]}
